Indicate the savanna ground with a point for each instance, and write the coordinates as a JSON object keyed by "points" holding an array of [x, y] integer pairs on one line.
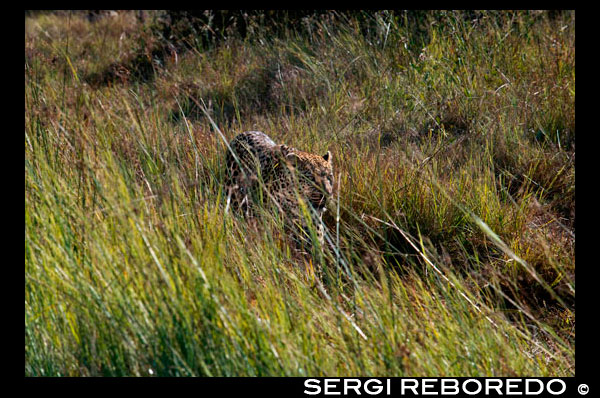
{"points": [[451, 234]]}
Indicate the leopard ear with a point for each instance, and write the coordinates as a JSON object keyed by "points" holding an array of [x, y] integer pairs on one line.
{"points": [[292, 155], [284, 149], [327, 156], [292, 158]]}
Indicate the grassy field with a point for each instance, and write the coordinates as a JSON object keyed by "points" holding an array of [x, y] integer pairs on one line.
{"points": [[451, 236]]}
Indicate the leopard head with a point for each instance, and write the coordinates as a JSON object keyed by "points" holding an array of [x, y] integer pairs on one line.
{"points": [[315, 174]]}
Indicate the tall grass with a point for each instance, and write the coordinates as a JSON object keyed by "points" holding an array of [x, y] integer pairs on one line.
{"points": [[450, 239]]}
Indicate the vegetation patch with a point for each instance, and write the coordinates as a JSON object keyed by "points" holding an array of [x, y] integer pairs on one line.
{"points": [[450, 240]]}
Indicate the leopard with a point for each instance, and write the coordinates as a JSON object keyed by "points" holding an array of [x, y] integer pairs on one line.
{"points": [[296, 182]]}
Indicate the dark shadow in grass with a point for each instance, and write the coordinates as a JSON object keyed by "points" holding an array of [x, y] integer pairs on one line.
{"points": [[252, 94], [178, 31], [261, 91], [555, 133], [449, 122], [141, 68], [219, 105]]}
